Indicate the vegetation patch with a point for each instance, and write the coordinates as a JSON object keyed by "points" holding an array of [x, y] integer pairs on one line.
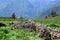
{"points": [[6, 33], [53, 25]]}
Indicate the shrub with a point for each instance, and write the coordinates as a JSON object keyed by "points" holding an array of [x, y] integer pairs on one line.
{"points": [[2, 24], [53, 25]]}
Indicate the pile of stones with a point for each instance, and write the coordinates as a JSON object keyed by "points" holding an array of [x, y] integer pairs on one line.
{"points": [[29, 26], [46, 33]]}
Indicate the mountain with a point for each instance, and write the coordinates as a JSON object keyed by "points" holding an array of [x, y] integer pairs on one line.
{"points": [[28, 9], [55, 8], [20, 7]]}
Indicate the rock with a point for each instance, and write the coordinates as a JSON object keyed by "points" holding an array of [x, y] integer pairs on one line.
{"points": [[47, 33], [27, 25]]}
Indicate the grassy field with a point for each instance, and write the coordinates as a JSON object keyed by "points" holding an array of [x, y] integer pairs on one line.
{"points": [[52, 21], [6, 33], [17, 34], [20, 34], [7, 21]]}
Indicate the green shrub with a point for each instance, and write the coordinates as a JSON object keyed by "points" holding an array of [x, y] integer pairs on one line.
{"points": [[53, 25]]}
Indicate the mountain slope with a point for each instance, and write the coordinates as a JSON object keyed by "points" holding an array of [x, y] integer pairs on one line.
{"points": [[26, 8], [48, 12], [20, 7]]}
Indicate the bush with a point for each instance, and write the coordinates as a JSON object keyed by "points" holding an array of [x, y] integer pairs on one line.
{"points": [[53, 25], [2, 24]]}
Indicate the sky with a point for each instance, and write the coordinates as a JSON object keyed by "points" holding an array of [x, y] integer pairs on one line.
{"points": [[25, 8], [44, 4]]}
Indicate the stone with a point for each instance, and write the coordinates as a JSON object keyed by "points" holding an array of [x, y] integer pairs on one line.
{"points": [[47, 33], [27, 25]]}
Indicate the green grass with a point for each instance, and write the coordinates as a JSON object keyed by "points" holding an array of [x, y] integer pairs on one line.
{"points": [[7, 21], [6, 33], [17, 34], [20, 34], [50, 21]]}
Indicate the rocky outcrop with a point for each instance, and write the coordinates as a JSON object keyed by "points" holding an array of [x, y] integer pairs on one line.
{"points": [[29, 26], [46, 33]]}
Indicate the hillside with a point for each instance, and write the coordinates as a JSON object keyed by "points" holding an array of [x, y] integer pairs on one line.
{"points": [[49, 11], [20, 7], [50, 21], [26, 8]]}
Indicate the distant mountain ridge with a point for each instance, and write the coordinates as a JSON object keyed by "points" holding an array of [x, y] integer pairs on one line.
{"points": [[20, 7], [55, 8], [25, 8]]}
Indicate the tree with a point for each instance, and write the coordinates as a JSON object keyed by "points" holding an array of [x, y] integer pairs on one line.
{"points": [[53, 14], [13, 16], [46, 17]]}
